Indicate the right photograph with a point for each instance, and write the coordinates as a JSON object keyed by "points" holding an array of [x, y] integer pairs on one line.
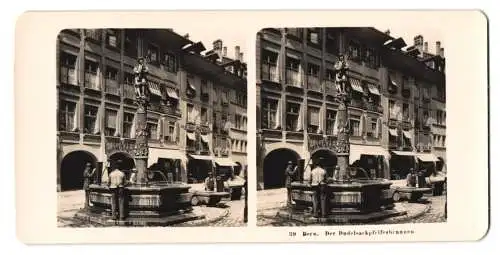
{"points": [[351, 126]]}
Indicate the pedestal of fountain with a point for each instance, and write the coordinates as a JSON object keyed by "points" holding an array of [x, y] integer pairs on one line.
{"points": [[159, 204]]}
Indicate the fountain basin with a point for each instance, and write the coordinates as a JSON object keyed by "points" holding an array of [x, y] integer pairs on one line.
{"points": [[359, 200], [155, 204]]}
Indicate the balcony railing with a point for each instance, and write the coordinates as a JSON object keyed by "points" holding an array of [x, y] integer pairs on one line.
{"points": [[172, 110], [270, 72], [330, 87], [313, 83], [91, 81], [68, 76], [357, 103], [293, 78], [112, 87], [129, 91]]}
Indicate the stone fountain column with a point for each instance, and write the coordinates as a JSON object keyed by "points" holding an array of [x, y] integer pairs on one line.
{"points": [[141, 133]]}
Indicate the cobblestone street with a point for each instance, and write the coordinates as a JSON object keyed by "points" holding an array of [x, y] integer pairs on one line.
{"points": [[227, 214], [269, 201]]}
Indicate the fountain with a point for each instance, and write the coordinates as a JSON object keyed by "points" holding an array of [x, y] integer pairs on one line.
{"points": [[345, 197], [147, 203]]}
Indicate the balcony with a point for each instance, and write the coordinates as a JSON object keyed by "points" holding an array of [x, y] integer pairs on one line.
{"points": [[293, 78], [128, 91], [374, 107], [112, 87], [270, 72], [330, 87], [92, 81], [357, 103], [313, 83], [172, 110], [68, 76]]}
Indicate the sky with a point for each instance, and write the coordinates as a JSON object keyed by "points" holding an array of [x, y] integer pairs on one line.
{"points": [[232, 37]]}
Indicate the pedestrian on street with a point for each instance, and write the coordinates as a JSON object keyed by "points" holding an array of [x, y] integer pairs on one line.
{"points": [[411, 178], [117, 186], [209, 182], [88, 178], [290, 176], [318, 177]]}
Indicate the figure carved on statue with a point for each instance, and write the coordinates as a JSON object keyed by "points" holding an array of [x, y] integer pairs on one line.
{"points": [[140, 71], [341, 81]]}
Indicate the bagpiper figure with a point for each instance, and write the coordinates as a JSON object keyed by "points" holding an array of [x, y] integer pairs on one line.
{"points": [[341, 67], [140, 71]]}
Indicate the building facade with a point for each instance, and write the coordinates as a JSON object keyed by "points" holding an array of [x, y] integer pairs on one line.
{"points": [[296, 105], [96, 108]]}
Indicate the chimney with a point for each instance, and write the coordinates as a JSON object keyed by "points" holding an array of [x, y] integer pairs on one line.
{"points": [[438, 48], [387, 32], [224, 51], [186, 36], [236, 52], [441, 52], [241, 57], [426, 47], [418, 42]]}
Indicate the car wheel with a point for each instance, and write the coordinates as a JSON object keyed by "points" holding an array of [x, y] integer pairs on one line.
{"points": [[396, 196]]}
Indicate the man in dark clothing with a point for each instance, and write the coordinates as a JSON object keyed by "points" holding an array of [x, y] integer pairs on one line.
{"points": [[88, 177], [290, 175]]}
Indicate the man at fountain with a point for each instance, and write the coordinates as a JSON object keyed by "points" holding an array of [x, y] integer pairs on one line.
{"points": [[117, 183], [411, 178], [88, 177], [209, 182], [318, 176], [290, 174]]}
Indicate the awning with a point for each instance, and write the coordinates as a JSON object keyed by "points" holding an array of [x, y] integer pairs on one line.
{"points": [[157, 153], [404, 153], [191, 136], [393, 81], [202, 157], [204, 138], [225, 162], [393, 132], [154, 89], [172, 93], [407, 134], [373, 89], [356, 85], [357, 150], [427, 157]]}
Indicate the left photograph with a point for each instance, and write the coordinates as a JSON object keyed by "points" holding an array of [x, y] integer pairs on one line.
{"points": [[151, 128]]}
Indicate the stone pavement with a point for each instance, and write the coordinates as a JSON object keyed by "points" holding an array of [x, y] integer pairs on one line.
{"points": [[269, 201], [227, 214]]}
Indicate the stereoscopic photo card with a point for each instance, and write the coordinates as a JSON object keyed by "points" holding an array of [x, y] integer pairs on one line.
{"points": [[298, 126]]}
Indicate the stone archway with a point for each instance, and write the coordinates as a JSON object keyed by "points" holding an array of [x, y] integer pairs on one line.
{"points": [[72, 167], [329, 159], [274, 167]]}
